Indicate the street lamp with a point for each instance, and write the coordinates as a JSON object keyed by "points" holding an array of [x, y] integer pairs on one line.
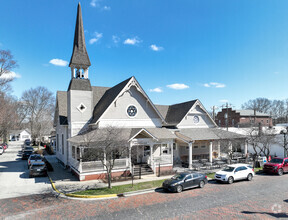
{"points": [[284, 132]]}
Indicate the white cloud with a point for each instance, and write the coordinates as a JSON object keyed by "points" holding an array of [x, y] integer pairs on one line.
{"points": [[158, 89], [223, 100], [94, 3], [115, 39], [58, 62], [106, 8], [155, 48], [178, 86], [214, 85], [10, 75], [97, 37], [132, 41]]}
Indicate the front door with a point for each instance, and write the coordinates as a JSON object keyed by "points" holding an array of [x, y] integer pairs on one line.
{"points": [[146, 154]]}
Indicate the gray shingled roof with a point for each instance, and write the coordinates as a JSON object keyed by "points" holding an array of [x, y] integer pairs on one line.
{"points": [[107, 99], [208, 134], [173, 114], [79, 58], [98, 135], [62, 108], [250, 112], [80, 84]]}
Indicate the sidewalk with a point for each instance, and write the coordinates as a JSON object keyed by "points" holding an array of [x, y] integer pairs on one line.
{"points": [[65, 182]]}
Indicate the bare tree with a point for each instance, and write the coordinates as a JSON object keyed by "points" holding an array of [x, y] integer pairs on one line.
{"points": [[8, 114], [261, 141], [7, 64], [38, 104], [109, 146], [259, 104]]}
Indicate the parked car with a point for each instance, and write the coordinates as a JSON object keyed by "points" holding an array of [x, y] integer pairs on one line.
{"points": [[38, 169], [26, 154], [185, 180], [276, 165], [4, 145], [234, 172], [34, 158], [1, 150], [27, 142], [28, 148]]}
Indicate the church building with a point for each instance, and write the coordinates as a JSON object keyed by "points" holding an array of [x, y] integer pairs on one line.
{"points": [[158, 135]]}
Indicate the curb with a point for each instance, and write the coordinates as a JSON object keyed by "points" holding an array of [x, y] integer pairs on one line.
{"points": [[81, 196]]}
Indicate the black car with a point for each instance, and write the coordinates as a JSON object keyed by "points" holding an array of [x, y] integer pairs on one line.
{"points": [[38, 169], [26, 154], [185, 180], [28, 148]]}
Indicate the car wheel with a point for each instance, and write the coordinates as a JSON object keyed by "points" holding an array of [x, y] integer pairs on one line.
{"points": [[249, 177], [179, 189], [280, 172], [201, 184], [230, 180]]}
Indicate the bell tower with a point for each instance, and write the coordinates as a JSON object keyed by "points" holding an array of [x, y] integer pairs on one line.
{"points": [[79, 94]]}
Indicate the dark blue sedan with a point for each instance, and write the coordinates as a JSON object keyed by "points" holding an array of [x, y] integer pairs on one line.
{"points": [[185, 180]]}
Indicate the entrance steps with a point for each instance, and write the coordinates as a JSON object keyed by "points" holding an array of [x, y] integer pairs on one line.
{"points": [[144, 168]]}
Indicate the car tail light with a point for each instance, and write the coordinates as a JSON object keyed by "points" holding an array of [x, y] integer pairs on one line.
{"points": [[206, 177], [253, 170]]}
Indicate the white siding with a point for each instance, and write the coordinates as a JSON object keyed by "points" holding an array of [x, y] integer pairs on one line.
{"points": [[117, 115]]}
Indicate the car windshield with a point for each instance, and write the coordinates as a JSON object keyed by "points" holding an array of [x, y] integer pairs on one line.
{"points": [[36, 157], [179, 176], [228, 169], [276, 160]]}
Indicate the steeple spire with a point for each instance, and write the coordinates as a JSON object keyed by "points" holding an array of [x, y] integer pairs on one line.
{"points": [[79, 59]]}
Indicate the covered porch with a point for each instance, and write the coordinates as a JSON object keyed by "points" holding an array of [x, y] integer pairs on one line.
{"points": [[206, 147]]}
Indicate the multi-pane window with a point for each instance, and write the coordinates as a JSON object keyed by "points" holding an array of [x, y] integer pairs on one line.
{"points": [[57, 143]]}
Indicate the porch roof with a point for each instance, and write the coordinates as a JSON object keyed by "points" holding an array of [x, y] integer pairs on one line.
{"points": [[197, 134], [98, 135]]}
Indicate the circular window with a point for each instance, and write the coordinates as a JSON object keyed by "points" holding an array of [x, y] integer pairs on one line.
{"points": [[131, 110], [196, 119]]}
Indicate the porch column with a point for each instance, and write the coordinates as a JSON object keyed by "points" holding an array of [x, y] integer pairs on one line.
{"points": [[210, 151], [130, 157], [190, 155], [172, 161], [219, 150], [245, 148]]}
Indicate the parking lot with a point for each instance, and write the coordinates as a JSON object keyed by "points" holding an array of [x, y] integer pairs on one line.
{"points": [[14, 175]]}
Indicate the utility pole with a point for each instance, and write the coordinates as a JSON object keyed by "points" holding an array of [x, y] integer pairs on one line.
{"points": [[226, 115], [214, 107]]}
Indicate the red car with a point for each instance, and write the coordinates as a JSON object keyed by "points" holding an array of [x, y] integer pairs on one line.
{"points": [[276, 165], [5, 146]]}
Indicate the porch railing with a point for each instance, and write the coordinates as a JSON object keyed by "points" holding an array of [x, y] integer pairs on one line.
{"points": [[163, 159], [98, 166]]}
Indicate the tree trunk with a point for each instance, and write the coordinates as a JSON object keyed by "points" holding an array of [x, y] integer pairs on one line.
{"points": [[109, 180]]}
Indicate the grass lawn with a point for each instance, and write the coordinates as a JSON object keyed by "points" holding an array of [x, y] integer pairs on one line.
{"points": [[122, 188], [211, 175]]}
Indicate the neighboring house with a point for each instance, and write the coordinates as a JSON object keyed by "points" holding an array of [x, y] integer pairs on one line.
{"points": [[156, 134], [242, 118], [19, 135]]}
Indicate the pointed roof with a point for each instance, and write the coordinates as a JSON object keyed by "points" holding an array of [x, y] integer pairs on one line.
{"points": [[79, 56], [173, 114]]}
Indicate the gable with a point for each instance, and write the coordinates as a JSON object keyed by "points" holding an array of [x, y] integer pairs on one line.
{"points": [[117, 113], [111, 110], [197, 117]]}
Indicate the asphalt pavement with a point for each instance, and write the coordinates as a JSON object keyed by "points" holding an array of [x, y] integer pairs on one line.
{"points": [[14, 175]]}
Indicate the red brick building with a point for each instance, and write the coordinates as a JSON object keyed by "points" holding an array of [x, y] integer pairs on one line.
{"points": [[242, 118]]}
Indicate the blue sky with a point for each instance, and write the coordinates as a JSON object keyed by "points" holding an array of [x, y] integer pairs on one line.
{"points": [[212, 50]]}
